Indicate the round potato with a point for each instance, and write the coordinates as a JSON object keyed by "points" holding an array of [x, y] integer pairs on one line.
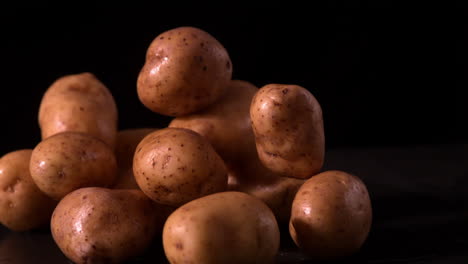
{"points": [[68, 161], [22, 205], [331, 215], [98, 225], [127, 142], [79, 103], [228, 227], [226, 124], [174, 166], [186, 69], [288, 127]]}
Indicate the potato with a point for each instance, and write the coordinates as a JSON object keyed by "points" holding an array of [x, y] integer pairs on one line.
{"points": [[288, 127], [331, 215], [68, 161], [127, 142], [22, 205], [186, 69], [228, 227], [79, 103], [174, 166], [226, 124], [98, 225], [277, 193]]}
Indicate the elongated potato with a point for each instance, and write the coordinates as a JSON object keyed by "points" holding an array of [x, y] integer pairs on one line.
{"points": [[331, 215], [98, 225], [174, 166], [288, 127], [68, 161], [227, 227], [22, 205], [127, 142], [186, 69], [79, 103]]}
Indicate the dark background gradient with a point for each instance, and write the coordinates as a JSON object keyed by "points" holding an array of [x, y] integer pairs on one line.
{"points": [[383, 77]]}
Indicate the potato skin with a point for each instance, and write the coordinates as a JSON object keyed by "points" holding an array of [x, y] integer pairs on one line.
{"points": [[288, 127], [228, 227], [22, 205], [186, 69], [79, 103], [174, 166], [127, 142], [331, 215], [68, 161], [98, 225], [226, 124]]}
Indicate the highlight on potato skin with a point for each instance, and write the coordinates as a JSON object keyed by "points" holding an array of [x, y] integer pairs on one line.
{"points": [[79, 103], [23, 206], [226, 227], [68, 161], [186, 70], [127, 142], [331, 215]]}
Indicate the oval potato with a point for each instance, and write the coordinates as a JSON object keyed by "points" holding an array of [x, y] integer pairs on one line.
{"points": [[174, 166], [22, 205], [68, 161], [228, 227], [186, 69], [98, 225], [288, 127], [226, 124], [331, 215], [79, 103]]}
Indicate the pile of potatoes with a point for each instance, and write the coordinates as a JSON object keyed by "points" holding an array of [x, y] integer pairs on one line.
{"points": [[235, 165]]}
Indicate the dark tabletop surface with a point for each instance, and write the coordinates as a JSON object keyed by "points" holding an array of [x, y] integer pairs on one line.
{"points": [[420, 203]]}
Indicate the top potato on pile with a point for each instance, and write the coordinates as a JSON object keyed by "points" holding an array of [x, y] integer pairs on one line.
{"points": [[186, 69]]}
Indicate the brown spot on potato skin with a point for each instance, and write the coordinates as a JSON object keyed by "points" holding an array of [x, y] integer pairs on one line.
{"points": [[179, 73]]}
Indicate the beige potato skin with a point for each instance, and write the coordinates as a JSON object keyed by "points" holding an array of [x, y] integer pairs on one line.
{"points": [[174, 166], [186, 69], [288, 127], [98, 225], [331, 215], [226, 124], [228, 227], [127, 142], [79, 103], [68, 161], [22, 205]]}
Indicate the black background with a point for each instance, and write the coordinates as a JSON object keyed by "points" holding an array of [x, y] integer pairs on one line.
{"points": [[391, 84], [382, 76]]}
